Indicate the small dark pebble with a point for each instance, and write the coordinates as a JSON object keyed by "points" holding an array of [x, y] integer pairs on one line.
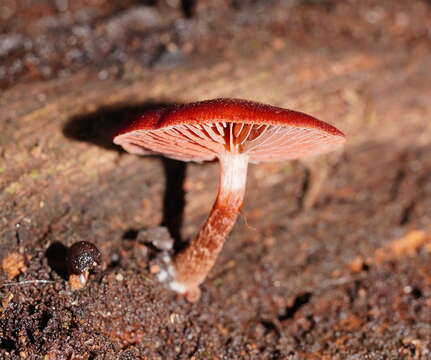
{"points": [[82, 256]]}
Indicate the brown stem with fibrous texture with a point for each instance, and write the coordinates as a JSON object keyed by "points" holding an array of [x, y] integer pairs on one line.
{"points": [[192, 265]]}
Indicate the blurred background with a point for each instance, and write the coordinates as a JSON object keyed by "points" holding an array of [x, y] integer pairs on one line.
{"points": [[330, 257], [45, 39]]}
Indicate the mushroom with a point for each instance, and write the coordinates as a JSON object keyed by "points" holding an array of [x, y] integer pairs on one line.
{"points": [[82, 256], [235, 132]]}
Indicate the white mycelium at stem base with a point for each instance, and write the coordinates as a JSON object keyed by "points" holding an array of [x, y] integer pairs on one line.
{"points": [[192, 265]]}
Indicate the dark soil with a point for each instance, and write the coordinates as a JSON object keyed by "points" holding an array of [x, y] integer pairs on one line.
{"points": [[331, 257]]}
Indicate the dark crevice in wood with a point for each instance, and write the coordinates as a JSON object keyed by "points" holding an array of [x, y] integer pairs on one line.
{"points": [[300, 301]]}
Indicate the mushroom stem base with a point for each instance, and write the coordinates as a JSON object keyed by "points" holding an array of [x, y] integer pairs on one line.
{"points": [[192, 265]]}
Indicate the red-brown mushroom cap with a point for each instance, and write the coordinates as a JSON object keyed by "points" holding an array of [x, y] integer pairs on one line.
{"points": [[204, 130]]}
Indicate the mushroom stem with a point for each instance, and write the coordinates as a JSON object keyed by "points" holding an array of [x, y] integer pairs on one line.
{"points": [[194, 263]]}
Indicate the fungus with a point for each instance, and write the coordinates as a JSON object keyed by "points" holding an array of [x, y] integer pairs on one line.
{"points": [[235, 132], [82, 256]]}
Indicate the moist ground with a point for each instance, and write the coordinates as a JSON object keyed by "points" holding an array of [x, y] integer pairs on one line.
{"points": [[330, 258]]}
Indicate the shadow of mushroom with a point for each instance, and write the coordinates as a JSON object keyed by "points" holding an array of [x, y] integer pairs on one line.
{"points": [[56, 255], [99, 127]]}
